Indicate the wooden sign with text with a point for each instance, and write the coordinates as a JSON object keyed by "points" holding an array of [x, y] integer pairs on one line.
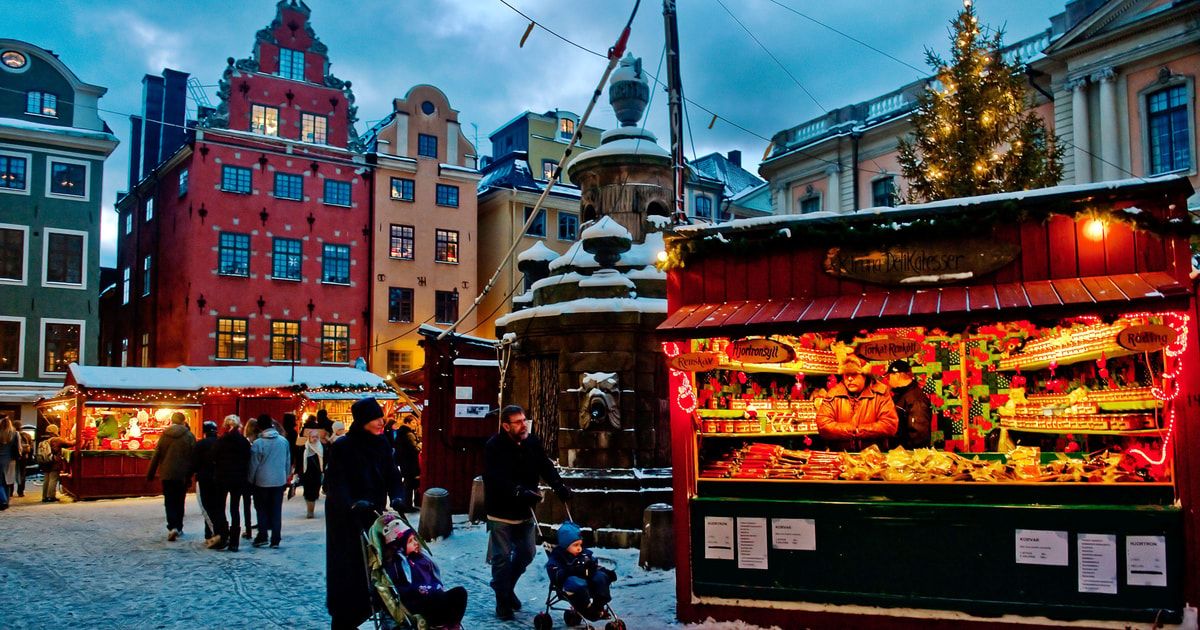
{"points": [[760, 351], [887, 349], [920, 263], [694, 361], [1146, 337]]}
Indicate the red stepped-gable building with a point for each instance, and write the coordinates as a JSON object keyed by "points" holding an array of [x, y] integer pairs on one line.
{"points": [[246, 230]]}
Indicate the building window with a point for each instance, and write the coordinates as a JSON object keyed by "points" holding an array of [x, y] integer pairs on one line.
{"points": [[183, 182], [285, 341], [446, 246], [568, 226], [403, 189], [124, 352], [129, 222], [1168, 130], [548, 169], [12, 333], [146, 277], [12, 253], [538, 227], [703, 208], [400, 304], [291, 64], [231, 338], [13, 59], [335, 343], [312, 128], [335, 264], [64, 255], [399, 361], [289, 186], [68, 179], [447, 195], [400, 244], [235, 179], [445, 307], [41, 104], [13, 170], [810, 204], [233, 254], [126, 280], [883, 192], [149, 208], [286, 259], [264, 120], [337, 193], [61, 344], [145, 350], [566, 128], [427, 145]]}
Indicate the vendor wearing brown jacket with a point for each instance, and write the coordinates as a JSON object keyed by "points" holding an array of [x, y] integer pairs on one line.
{"points": [[858, 411]]}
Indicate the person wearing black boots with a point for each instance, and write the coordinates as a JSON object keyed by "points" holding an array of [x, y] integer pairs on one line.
{"points": [[231, 465]]}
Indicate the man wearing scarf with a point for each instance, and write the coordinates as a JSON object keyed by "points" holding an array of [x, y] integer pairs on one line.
{"points": [[360, 477]]}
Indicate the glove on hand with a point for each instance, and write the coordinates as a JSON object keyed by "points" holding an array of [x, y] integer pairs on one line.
{"points": [[364, 512], [528, 496]]}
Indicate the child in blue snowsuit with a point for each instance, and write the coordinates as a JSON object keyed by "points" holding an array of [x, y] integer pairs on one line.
{"points": [[577, 575]]}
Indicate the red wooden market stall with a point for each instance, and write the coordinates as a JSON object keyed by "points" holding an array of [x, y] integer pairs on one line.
{"points": [[115, 415], [1054, 332]]}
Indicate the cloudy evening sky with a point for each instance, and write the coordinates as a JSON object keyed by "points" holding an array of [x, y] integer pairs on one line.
{"points": [[468, 48]]}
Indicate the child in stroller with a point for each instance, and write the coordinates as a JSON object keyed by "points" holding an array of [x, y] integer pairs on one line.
{"points": [[576, 576], [416, 579]]}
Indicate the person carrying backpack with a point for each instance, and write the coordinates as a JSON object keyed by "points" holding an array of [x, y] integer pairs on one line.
{"points": [[49, 457]]}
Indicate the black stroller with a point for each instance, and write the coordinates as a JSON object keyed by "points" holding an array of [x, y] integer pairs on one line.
{"points": [[387, 611], [557, 600]]}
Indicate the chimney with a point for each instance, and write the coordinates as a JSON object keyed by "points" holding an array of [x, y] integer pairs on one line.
{"points": [[735, 157], [135, 154], [152, 115], [174, 132]]}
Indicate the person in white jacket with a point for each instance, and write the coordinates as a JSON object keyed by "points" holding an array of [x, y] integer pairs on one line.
{"points": [[270, 463]]}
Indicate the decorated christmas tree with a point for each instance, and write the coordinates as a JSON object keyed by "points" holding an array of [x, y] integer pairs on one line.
{"points": [[974, 132]]}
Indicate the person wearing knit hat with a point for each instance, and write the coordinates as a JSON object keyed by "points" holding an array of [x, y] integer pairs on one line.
{"points": [[577, 576], [360, 478], [417, 578], [858, 411], [912, 406]]}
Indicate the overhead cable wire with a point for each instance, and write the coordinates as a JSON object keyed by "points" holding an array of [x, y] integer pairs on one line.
{"points": [[772, 56], [847, 36]]}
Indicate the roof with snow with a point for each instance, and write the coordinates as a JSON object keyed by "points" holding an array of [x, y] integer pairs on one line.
{"points": [[511, 171], [735, 178], [537, 252], [194, 378]]}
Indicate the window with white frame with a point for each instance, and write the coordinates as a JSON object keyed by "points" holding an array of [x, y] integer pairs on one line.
{"points": [[566, 128], [68, 179], [12, 344], [14, 172], [291, 64], [703, 207], [264, 120], [313, 128], [810, 204], [548, 169], [568, 226], [125, 280], [14, 254], [150, 208], [41, 104], [62, 344], [146, 275], [64, 254], [129, 222], [1168, 130], [538, 227]]}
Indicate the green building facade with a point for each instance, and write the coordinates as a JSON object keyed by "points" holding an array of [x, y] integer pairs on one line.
{"points": [[52, 150]]}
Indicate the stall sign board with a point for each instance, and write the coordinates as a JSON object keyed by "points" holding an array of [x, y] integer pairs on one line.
{"points": [[694, 361], [464, 393], [1146, 560], [1146, 337], [920, 263], [760, 351], [718, 537], [1097, 563], [1038, 546], [470, 410], [794, 533], [887, 349], [752, 543]]}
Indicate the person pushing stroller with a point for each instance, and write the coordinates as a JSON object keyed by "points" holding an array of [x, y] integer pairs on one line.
{"points": [[577, 575]]}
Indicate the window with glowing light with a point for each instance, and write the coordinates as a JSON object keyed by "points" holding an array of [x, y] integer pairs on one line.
{"points": [[264, 120], [232, 338], [335, 343], [68, 179]]}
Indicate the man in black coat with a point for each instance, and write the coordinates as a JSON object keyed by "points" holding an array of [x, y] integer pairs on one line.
{"points": [[408, 457], [206, 485], [912, 407], [359, 477], [514, 459], [231, 463]]}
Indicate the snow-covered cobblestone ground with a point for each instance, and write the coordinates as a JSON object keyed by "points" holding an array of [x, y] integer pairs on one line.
{"points": [[107, 565]]}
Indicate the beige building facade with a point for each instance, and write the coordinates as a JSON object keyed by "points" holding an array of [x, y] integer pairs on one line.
{"points": [[424, 230]]}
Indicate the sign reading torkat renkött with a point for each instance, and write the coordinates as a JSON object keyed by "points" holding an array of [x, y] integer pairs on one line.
{"points": [[920, 263]]}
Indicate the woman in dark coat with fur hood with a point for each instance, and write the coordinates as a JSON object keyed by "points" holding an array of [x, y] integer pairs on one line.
{"points": [[360, 476]]}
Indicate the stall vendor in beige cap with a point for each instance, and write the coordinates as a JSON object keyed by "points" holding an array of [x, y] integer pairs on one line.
{"points": [[858, 412]]}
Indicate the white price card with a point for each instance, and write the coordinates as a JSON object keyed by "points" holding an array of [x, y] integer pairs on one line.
{"points": [[718, 537], [1097, 563], [1040, 546], [463, 393], [1146, 560], [794, 533], [752, 543]]}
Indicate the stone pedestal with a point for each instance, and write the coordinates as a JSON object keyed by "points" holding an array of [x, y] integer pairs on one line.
{"points": [[435, 515], [477, 512], [658, 538]]}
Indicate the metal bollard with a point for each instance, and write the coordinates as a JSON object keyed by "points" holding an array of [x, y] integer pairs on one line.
{"points": [[435, 515], [658, 537]]}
